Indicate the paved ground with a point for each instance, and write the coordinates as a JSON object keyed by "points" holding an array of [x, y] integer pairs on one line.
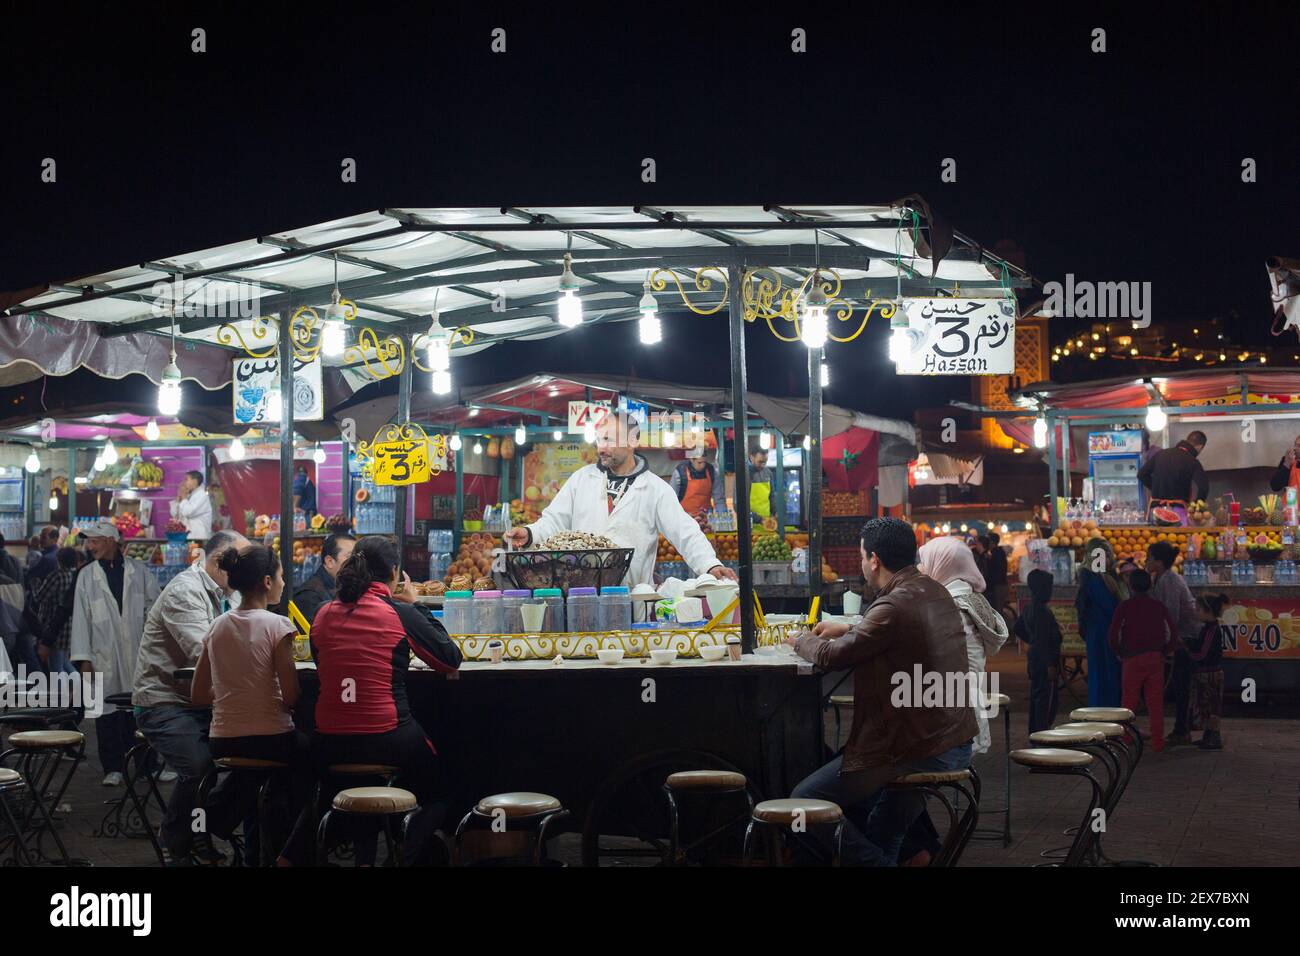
{"points": [[1186, 807]]}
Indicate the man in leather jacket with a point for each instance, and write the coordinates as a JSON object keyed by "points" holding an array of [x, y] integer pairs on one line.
{"points": [[911, 628]]}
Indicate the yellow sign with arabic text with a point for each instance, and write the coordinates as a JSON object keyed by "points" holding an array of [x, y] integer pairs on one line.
{"points": [[402, 455]]}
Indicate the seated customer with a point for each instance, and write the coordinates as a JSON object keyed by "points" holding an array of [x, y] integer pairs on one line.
{"points": [[318, 589], [362, 642], [912, 624], [246, 674]]}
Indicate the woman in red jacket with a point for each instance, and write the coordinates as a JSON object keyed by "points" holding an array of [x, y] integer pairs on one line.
{"points": [[362, 643]]}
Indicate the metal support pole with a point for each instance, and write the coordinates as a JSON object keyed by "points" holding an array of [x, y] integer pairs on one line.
{"points": [[458, 519], [779, 475], [744, 541], [403, 416], [285, 356], [1051, 472], [813, 480], [1066, 485], [72, 485]]}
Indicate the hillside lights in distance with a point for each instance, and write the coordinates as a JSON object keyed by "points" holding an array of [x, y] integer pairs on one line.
{"points": [[812, 323], [33, 463], [651, 329], [151, 431], [569, 306], [236, 450], [1156, 419], [1040, 432]]}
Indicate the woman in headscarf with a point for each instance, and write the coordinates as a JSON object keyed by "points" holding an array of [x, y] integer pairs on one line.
{"points": [[1099, 593], [950, 562]]}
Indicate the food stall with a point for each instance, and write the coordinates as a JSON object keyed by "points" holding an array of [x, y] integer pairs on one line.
{"points": [[1241, 539]]}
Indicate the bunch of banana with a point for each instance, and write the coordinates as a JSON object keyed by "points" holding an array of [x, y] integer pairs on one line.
{"points": [[148, 475]]}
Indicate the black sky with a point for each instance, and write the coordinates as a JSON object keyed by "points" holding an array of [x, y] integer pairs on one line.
{"points": [[1117, 166]]}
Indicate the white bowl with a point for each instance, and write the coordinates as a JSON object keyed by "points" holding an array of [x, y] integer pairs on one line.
{"points": [[609, 655], [713, 652], [663, 656]]}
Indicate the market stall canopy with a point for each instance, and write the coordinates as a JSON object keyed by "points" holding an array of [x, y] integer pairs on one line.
{"points": [[495, 271]]}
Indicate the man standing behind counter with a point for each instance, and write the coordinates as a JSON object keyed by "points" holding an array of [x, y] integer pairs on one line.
{"points": [[619, 498], [1175, 474]]}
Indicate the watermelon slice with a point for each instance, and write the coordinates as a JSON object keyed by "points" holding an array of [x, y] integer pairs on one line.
{"points": [[1165, 516]]}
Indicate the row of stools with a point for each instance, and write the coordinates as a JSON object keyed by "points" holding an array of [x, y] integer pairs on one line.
{"points": [[42, 740]]}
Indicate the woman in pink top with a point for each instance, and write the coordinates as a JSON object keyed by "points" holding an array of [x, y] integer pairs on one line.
{"points": [[246, 673]]}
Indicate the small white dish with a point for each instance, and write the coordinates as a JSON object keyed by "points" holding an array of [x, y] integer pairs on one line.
{"points": [[663, 656], [609, 655], [713, 652]]}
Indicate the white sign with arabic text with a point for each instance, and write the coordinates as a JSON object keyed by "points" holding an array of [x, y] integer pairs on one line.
{"points": [[960, 337]]}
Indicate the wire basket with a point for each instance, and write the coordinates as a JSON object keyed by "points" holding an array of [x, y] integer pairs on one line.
{"points": [[597, 568]]}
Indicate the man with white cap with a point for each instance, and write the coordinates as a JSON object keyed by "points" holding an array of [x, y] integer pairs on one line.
{"points": [[112, 595]]}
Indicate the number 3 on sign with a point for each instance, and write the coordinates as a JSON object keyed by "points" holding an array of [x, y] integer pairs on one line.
{"points": [[401, 462]]}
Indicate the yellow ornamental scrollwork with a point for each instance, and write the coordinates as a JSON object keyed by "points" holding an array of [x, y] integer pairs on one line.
{"points": [[463, 335], [228, 334], [376, 354], [702, 282]]}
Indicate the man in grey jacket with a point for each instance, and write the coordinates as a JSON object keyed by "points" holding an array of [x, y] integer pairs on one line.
{"points": [[173, 639]]}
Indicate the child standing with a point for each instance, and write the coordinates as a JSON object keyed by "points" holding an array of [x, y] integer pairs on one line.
{"points": [[1207, 674], [1038, 628], [1141, 634]]}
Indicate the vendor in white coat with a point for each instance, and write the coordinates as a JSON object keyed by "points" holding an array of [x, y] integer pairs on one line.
{"points": [[113, 593], [193, 507], [619, 498]]}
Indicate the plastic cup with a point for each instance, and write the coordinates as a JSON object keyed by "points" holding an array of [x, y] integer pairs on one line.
{"points": [[495, 651], [534, 616], [852, 602]]}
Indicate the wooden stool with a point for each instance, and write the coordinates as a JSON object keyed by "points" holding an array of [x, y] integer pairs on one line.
{"points": [[837, 701], [382, 802], [48, 747], [529, 811], [966, 783], [1056, 760], [263, 772], [714, 782], [13, 784], [1004, 705], [780, 816]]}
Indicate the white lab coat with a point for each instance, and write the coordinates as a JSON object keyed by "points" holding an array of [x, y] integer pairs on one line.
{"points": [[110, 639], [647, 509], [195, 512]]}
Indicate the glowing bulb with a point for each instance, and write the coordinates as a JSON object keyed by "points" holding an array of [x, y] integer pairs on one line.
{"points": [[807, 442], [1003, 527], [439, 350], [695, 428], [812, 326], [333, 338], [557, 435], [651, 328], [589, 433], [478, 447], [80, 480], [151, 431], [440, 382], [169, 389], [521, 435], [1040, 432], [963, 528], [1156, 418], [455, 444], [569, 305], [96, 465], [1029, 526], [54, 501], [826, 375], [236, 450], [900, 344], [318, 455], [669, 437], [947, 528], [33, 463], [110, 453]]}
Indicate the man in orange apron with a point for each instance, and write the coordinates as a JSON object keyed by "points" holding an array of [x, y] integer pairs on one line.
{"points": [[697, 484]]}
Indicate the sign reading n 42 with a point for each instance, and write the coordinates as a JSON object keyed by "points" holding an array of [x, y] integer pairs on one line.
{"points": [[580, 413], [960, 337]]}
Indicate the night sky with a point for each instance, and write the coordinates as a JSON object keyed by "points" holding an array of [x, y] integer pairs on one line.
{"points": [[1117, 166]]}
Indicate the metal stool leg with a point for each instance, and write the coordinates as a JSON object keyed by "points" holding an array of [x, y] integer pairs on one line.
{"points": [[1006, 758]]}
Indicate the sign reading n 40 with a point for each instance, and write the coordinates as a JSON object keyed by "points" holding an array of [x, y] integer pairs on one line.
{"points": [[960, 337]]}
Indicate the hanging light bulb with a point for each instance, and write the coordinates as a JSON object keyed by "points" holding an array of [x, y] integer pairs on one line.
{"points": [[33, 463], [318, 455], [169, 386], [557, 435], [333, 337], [440, 383], [826, 375], [54, 501], [1029, 526], [478, 447], [589, 432], [96, 465], [151, 431], [812, 322], [521, 435], [922, 470], [764, 439], [569, 305], [900, 334], [440, 357], [695, 426], [110, 453], [650, 327], [963, 527], [236, 450], [1156, 418], [1040, 432], [807, 442], [947, 528], [668, 436], [80, 480], [1003, 528], [455, 443]]}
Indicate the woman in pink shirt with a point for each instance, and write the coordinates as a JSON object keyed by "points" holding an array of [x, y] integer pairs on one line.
{"points": [[246, 673]]}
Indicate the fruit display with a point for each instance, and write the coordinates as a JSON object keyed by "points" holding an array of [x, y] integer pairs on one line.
{"points": [[128, 524], [302, 547], [145, 551], [1199, 513], [843, 503], [770, 547], [473, 562], [1264, 548], [524, 512], [336, 523], [318, 522], [726, 547], [175, 527], [146, 474], [1166, 516], [829, 575], [1073, 534], [262, 526]]}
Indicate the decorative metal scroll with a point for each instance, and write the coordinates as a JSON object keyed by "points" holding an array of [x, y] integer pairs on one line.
{"points": [[402, 454]]}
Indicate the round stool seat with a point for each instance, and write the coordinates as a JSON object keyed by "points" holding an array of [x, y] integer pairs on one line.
{"points": [[1051, 757], [930, 777], [375, 800], [1107, 714], [363, 769], [119, 700], [519, 804], [1060, 737], [706, 780], [38, 715], [786, 811], [843, 700], [1096, 727], [1002, 700], [9, 777], [42, 739], [249, 763]]}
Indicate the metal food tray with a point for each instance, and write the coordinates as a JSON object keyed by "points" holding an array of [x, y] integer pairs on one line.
{"points": [[595, 568]]}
